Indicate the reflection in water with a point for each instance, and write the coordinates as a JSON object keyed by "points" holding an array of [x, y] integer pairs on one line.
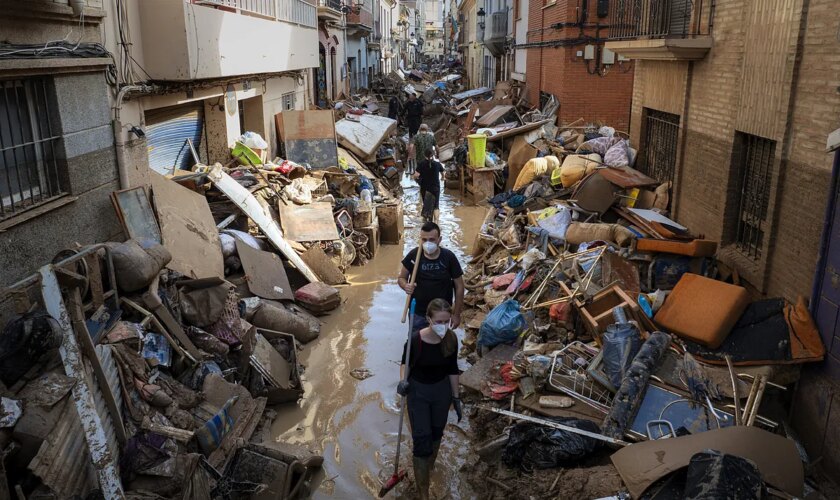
{"points": [[354, 422]]}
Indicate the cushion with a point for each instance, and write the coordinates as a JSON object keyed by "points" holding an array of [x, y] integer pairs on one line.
{"points": [[702, 310], [693, 248]]}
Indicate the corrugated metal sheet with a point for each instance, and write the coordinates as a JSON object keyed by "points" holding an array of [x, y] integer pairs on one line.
{"points": [[103, 352], [167, 131], [63, 462]]}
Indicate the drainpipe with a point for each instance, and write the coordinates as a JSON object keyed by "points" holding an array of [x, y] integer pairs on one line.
{"points": [[119, 144]]}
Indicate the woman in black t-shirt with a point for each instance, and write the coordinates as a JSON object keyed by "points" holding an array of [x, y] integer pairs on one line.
{"points": [[431, 388]]}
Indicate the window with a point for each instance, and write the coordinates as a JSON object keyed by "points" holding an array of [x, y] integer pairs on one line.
{"points": [[29, 147], [752, 163], [659, 144], [288, 101]]}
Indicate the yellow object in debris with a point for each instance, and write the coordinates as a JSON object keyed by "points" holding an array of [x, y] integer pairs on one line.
{"points": [[342, 162], [477, 146], [535, 168], [576, 167]]}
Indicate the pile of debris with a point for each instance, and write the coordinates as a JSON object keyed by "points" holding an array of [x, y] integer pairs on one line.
{"points": [[153, 367], [596, 322]]}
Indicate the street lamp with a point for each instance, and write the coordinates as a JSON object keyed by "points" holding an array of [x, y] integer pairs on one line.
{"points": [[481, 15]]}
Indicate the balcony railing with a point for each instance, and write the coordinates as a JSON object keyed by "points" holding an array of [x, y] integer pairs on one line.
{"points": [[332, 4], [498, 25], [291, 11], [660, 19]]}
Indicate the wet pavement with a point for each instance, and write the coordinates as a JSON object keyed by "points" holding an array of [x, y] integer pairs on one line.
{"points": [[352, 422]]}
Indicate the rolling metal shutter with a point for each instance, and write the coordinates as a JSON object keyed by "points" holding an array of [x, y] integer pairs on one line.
{"points": [[167, 131]]}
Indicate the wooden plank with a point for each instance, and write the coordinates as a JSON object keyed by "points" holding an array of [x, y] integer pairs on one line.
{"points": [[264, 273], [188, 229], [313, 222], [308, 136], [494, 115]]}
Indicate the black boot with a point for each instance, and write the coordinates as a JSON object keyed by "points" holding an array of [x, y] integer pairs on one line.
{"points": [[421, 477], [433, 457]]}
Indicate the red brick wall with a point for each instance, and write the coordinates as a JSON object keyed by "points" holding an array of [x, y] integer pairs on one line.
{"points": [[560, 72]]}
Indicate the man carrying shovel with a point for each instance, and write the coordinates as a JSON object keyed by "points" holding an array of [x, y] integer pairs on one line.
{"points": [[438, 276]]}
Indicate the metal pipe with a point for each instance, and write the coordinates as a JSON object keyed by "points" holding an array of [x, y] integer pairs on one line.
{"points": [[735, 395], [554, 425]]}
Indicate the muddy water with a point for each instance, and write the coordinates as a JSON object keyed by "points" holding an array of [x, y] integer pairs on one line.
{"points": [[353, 423]]}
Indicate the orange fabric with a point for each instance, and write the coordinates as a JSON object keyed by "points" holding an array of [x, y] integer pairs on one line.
{"points": [[694, 248], [702, 310], [805, 341]]}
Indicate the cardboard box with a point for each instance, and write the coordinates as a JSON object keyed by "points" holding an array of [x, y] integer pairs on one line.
{"points": [[391, 223]]}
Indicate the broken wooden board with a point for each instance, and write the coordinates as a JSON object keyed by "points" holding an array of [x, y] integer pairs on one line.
{"points": [[135, 214], [487, 368], [187, 229], [494, 115], [627, 177], [246, 201], [364, 137], [776, 457], [323, 266], [313, 222], [264, 273], [520, 130], [309, 137]]}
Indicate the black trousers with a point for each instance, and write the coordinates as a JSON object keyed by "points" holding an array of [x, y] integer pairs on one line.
{"points": [[413, 126], [428, 409]]}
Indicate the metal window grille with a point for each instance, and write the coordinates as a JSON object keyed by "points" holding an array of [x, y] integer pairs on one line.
{"points": [[753, 159], [30, 174], [288, 101], [659, 149]]}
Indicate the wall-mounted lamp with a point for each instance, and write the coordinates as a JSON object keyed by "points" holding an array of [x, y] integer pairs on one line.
{"points": [[481, 15]]}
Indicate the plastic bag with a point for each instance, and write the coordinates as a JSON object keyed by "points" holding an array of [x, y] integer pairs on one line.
{"points": [[253, 140], [502, 325], [557, 224], [618, 155], [621, 344], [298, 192], [712, 474], [533, 446]]}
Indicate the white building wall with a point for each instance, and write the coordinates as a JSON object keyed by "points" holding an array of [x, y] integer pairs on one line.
{"points": [[521, 36]]}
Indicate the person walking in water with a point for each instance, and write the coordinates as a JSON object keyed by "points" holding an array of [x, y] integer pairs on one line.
{"points": [[413, 114], [429, 172], [439, 276], [432, 387]]}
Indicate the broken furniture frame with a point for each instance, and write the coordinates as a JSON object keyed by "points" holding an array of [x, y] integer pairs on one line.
{"points": [[50, 278]]}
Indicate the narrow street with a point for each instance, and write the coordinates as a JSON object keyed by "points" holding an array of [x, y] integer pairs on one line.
{"points": [[353, 423]]}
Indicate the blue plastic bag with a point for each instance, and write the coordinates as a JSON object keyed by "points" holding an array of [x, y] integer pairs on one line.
{"points": [[503, 325]]}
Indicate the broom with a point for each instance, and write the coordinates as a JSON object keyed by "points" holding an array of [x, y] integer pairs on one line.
{"points": [[399, 475]]}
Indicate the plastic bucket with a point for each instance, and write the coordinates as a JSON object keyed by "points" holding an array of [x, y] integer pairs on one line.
{"points": [[477, 148]]}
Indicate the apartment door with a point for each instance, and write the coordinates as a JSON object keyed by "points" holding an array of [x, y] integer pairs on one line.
{"points": [[825, 303], [659, 144]]}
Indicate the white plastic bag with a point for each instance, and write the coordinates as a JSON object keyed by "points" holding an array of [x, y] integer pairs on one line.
{"points": [[253, 140]]}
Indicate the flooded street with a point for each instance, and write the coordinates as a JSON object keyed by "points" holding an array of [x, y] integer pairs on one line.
{"points": [[353, 423]]}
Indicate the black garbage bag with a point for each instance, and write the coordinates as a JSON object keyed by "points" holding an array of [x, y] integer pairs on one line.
{"points": [[24, 340], [713, 475], [534, 446]]}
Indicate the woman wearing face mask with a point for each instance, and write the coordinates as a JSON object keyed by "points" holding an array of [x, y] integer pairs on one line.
{"points": [[432, 387]]}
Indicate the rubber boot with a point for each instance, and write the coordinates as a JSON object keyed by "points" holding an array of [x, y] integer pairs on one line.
{"points": [[433, 457], [421, 477]]}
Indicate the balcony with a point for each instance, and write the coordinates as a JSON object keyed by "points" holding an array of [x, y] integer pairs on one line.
{"points": [[205, 39], [665, 30], [329, 10], [496, 33]]}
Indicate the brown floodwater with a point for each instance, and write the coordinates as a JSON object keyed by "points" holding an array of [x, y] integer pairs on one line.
{"points": [[353, 423]]}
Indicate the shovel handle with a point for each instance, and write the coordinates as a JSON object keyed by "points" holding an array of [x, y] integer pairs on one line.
{"points": [[411, 281]]}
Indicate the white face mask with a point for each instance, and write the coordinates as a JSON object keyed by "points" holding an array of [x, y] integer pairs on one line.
{"points": [[430, 246], [440, 330]]}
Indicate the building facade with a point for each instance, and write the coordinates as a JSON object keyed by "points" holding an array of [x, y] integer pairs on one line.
{"points": [[330, 78], [469, 48], [566, 57], [734, 103], [58, 163]]}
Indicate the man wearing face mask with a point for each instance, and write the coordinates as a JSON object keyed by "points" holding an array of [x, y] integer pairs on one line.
{"points": [[439, 277]]}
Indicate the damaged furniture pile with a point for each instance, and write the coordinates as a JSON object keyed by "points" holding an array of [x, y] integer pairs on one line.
{"points": [[604, 335], [154, 367]]}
